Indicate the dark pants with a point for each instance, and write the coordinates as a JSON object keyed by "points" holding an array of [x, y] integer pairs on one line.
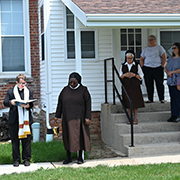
{"points": [[26, 143], [151, 75], [175, 100]]}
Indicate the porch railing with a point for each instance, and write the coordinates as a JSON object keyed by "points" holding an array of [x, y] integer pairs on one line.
{"points": [[115, 90]]}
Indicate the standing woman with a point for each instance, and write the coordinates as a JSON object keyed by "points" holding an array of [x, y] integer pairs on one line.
{"points": [[172, 69], [131, 75], [74, 105]]}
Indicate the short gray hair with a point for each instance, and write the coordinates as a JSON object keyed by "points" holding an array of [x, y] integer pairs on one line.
{"points": [[154, 37]]}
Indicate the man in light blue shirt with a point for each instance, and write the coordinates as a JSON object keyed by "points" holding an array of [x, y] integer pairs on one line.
{"points": [[152, 61]]}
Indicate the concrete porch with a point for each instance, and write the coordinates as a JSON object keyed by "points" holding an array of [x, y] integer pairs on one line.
{"points": [[153, 136]]}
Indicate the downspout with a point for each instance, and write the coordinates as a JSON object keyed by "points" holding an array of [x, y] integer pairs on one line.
{"points": [[47, 60]]}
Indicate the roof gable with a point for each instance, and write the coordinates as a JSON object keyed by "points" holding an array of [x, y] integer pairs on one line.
{"points": [[128, 6]]}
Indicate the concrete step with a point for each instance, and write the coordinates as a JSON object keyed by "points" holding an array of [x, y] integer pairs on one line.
{"points": [[149, 107], [151, 138], [143, 117], [148, 127], [146, 150]]}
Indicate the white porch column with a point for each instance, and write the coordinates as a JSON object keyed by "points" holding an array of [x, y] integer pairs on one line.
{"points": [[78, 47]]}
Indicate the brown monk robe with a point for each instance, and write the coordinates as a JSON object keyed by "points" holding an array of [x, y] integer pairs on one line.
{"points": [[74, 104], [131, 75], [132, 86]]}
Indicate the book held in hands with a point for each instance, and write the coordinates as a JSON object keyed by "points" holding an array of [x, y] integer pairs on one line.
{"points": [[19, 102]]}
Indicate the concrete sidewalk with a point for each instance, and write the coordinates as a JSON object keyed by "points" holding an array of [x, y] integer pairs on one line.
{"points": [[9, 169]]}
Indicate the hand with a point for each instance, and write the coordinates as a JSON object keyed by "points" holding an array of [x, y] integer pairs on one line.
{"points": [[12, 102], [131, 74], [170, 73], [25, 105], [128, 75], [55, 120], [87, 121]]}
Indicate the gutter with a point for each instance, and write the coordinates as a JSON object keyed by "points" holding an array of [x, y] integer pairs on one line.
{"points": [[47, 60], [133, 20]]}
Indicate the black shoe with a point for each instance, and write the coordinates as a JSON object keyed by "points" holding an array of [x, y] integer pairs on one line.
{"points": [[26, 163], [80, 160], [67, 160], [172, 118], [149, 101], [177, 119], [163, 101], [16, 164]]}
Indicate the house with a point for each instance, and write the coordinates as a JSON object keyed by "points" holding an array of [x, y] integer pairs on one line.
{"points": [[57, 37]]}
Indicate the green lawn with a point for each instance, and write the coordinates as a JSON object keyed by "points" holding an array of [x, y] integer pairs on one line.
{"points": [[54, 152], [41, 152], [142, 172]]}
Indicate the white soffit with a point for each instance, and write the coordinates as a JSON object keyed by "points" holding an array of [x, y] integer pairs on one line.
{"points": [[133, 20]]}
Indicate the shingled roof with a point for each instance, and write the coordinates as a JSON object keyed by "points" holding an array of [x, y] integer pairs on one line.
{"points": [[128, 6]]}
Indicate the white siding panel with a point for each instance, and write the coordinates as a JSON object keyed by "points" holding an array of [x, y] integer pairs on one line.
{"points": [[42, 66], [93, 72], [60, 69], [43, 83]]}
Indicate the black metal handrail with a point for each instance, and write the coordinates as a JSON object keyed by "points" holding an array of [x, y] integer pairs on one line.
{"points": [[114, 70]]}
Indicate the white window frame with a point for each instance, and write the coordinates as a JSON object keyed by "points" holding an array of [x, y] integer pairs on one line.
{"points": [[27, 59], [166, 29], [81, 29], [41, 33], [95, 44], [123, 57], [65, 35]]}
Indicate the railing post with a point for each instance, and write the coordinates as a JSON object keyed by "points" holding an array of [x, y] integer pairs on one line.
{"points": [[105, 81], [114, 101], [129, 116], [132, 133]]}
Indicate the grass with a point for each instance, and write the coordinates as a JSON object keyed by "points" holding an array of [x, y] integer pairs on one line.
{"points": [[54, 152], [41, 152], [142, 172]]}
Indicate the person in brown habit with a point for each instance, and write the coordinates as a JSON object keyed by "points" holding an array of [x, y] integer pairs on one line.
{"points": [[131, 75], [74, 106]]}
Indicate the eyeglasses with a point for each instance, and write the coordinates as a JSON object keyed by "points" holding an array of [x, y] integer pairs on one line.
{"points": [[130, 58], [72, 82], [174, 48], [150, 39], [22, 83]]}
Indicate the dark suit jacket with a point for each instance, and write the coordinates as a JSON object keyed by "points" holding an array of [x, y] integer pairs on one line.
{"points": [[13, 112]]}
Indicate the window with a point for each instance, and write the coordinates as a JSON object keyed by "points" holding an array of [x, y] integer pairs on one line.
{"points": [[168, 38], [131, 39], [70, 34], [42, 32], [87, 39], [87, 44], [12, 36]]}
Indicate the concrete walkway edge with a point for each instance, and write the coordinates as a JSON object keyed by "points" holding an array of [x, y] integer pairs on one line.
{"points": [[9, 169]]}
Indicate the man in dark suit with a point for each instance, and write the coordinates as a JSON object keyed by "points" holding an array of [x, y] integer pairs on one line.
{"points": [[18, 121]]}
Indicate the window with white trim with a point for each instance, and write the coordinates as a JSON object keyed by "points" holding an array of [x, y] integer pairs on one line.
{"points": [[87, 38], [12, 36], [131, 40], [87, 44], [42, 32], [168, 38], [70, 34]]}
